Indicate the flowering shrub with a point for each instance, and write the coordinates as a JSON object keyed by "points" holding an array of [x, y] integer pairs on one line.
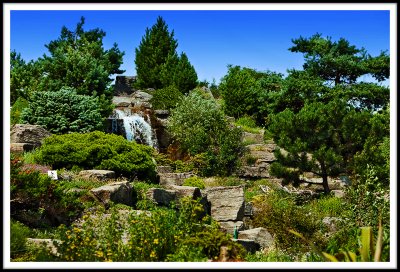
{"points": [[32, 190], [148, 236]]}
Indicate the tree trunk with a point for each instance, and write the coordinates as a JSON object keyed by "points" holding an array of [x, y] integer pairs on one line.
{"points": [[324, 178], [325, 184]]}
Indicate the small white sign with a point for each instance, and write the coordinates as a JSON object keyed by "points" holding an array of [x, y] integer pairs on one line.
{"points": [[52, 175]]}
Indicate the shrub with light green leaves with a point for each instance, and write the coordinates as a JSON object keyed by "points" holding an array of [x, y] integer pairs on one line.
{"points": [[199, 126], [166, 98], [98, 150], [194, 182], [63, 111]]}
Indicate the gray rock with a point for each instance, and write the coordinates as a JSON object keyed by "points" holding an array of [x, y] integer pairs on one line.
{"points": [[142, 96], [338, 193], [118, 192], [256, 138], [28, 134], [250, 245], [122, 101], [161, 113], [229, 226], [21, 147], [227, 203], [161, 196], [99, 174], [174, 178], [248, 209], [183, 191], [260, 171], [161, 169], [259, 235], [331, 223]]}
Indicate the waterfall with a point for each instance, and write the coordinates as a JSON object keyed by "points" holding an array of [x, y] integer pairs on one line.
{"points": [[136, 128]]}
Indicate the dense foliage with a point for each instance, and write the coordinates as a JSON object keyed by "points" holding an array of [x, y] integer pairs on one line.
{"points": [[166, 98], [327, 128], [338, 61], [63, 111], [44, 198], [155, 47], [199, 126], [320, 138], [162, 235], [98, 150], [16, 110], [246, 91], [77, 60], [178, 71]]}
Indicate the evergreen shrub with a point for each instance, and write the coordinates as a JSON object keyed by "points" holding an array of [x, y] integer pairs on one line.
{"points": [[98, 150]]}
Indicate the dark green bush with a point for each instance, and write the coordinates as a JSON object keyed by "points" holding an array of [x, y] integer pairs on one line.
{"points": [[166, 98], [63, 111], [98, 150]]}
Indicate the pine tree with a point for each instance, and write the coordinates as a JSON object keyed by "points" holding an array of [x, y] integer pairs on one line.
{"points": [[154, 49]]}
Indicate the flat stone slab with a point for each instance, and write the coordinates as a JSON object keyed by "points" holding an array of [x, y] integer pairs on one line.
{"points": [[118, 192], [227, 203], [99, 174]]}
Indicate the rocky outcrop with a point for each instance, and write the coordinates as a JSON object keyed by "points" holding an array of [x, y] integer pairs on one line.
{"points": [[98, 174], [257, 161], [161, 196], [186, 191], [168, 179], [254, 138], [21, 147], [32, 135], [122, 101], [227, 203], [123, 85], [259, 235], [118, 192]]}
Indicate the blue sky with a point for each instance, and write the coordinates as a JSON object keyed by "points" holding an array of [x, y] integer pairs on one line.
{"points": [[212, 39]]}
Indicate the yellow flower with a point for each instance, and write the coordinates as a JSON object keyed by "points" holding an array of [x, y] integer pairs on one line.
{"points": [[99, 253], [156, 241], [152, 254], [77, 229]]}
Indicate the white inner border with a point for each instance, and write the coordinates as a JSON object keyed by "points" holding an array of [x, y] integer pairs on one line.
{"points": [[392, 7]]}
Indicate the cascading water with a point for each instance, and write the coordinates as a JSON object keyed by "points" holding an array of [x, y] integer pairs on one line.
{"points": [[136, 128]]}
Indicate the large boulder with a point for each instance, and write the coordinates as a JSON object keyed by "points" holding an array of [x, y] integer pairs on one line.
{"points": [[227, 203], [118, 192], [161, 196], [186, 191], [30, 134], [229, 226], [21, 147], [259, 235], [142, 96], [122, 101], [168, 179], [98, 174]]}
